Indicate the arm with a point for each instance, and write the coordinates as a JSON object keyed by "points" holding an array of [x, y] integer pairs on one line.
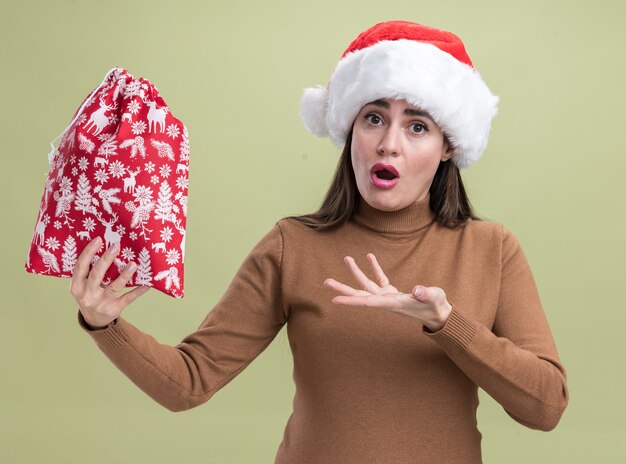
{"points": [[517, 363], [238, 328]]}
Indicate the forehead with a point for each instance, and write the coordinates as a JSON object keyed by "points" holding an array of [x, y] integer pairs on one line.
{"points": [[409, 109]]}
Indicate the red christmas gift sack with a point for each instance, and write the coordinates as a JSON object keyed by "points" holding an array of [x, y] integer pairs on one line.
{"points": [[120, 172]]}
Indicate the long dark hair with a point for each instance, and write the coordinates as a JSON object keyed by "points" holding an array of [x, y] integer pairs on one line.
{"points": [[447, 196]]}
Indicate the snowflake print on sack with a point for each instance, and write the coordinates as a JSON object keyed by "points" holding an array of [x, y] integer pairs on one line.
{"points": [[52, 243], [89, 224], [116, 169], [165, 171], [173, 131], [166, 234], [101, 176], [83, 163], [128, 254], [134, 107], [172, 256], [182, 183], [139, 127], [119, 173]]}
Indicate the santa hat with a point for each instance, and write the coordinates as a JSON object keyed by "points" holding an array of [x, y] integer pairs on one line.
{"points": [[427, 67]]}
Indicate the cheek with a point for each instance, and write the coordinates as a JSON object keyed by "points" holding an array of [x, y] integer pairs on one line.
{"points": [[357, 154], [424, 166]]}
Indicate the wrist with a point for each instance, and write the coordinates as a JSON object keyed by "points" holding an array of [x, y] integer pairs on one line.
{"points": [[440, 319], [94, 325]]}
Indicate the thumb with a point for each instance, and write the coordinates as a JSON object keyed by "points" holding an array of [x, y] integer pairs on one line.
{"points": [[423, 293]]}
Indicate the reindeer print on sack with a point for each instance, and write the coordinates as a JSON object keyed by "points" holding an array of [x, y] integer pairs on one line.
{"points": [[120, 173], [98, 119]]}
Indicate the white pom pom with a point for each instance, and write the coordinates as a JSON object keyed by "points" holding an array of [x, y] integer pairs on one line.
{"points": [[313, 108]]}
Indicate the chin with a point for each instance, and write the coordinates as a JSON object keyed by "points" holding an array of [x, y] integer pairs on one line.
{"points": [[389, 205]]}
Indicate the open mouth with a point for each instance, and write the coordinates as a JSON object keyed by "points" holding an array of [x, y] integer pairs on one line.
{"points": [[385, 171], [384, 176]]}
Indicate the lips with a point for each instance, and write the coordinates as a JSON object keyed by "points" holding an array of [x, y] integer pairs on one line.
{"points": [[384, 176]]}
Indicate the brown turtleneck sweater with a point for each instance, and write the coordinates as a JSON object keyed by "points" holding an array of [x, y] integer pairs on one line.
{"points": [[371, 386]]}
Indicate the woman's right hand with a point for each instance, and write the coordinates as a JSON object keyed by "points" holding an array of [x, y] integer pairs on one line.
{"points": [[101, 304]]}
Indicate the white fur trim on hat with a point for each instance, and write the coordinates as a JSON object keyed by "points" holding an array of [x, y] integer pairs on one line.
{"points": [[452, 92]]}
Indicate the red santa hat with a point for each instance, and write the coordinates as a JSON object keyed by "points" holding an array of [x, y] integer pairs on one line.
{"points": [[427, 67]]}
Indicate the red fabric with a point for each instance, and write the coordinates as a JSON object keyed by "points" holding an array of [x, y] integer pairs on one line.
{"points": [[395, 30], [121, 173]]}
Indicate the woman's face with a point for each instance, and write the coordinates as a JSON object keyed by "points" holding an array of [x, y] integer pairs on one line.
{"points": [[396, 135]]}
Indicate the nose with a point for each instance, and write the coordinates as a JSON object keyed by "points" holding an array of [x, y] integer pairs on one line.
{"points": [[390, 141]]}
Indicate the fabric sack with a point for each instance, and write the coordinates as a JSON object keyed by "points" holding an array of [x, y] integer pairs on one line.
{"points": [[120, 172]]}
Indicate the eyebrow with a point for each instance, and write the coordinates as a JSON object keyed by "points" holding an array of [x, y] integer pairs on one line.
{"points": [[407, 111]]}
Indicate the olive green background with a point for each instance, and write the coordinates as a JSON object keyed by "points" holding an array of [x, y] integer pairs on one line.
{"points": [[234, 72]]}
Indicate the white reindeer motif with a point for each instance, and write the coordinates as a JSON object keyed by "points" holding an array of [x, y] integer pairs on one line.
{"points": [[98, 118], [110, 237], [158, 246], [84, 235], [40, 230], [182, 242], [155, 117], [98, 161], [130, 181], [127, 116], [182, 168]]}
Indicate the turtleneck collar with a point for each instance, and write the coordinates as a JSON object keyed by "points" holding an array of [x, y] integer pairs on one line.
{"points": [[407, 220]]}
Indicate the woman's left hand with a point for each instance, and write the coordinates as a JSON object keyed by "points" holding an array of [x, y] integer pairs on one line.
{"points": [[427, 304]]}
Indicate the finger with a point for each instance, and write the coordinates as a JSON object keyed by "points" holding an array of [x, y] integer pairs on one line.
{"points": [[97, 272], [128, 297], [370, 301], [362, 278], [115, 288], [343, 288], [424, 294], [81, 271], [383, 281]]}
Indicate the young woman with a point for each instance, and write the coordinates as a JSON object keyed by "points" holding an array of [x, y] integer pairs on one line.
{"points": [[388, 354]]}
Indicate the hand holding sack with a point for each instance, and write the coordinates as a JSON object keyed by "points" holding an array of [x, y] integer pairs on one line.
{"points": [[120, 172]]}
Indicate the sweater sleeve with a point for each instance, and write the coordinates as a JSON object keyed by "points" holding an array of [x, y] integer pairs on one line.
{"points": [[516, 362], [237, 329]]}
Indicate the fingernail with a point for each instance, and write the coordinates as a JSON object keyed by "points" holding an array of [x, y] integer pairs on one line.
{"points": [[113, 248], [97, 240], [132, 267]]}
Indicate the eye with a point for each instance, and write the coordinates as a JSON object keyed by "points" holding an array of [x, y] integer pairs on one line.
{"points": [[419, 128], [373, 119]]}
